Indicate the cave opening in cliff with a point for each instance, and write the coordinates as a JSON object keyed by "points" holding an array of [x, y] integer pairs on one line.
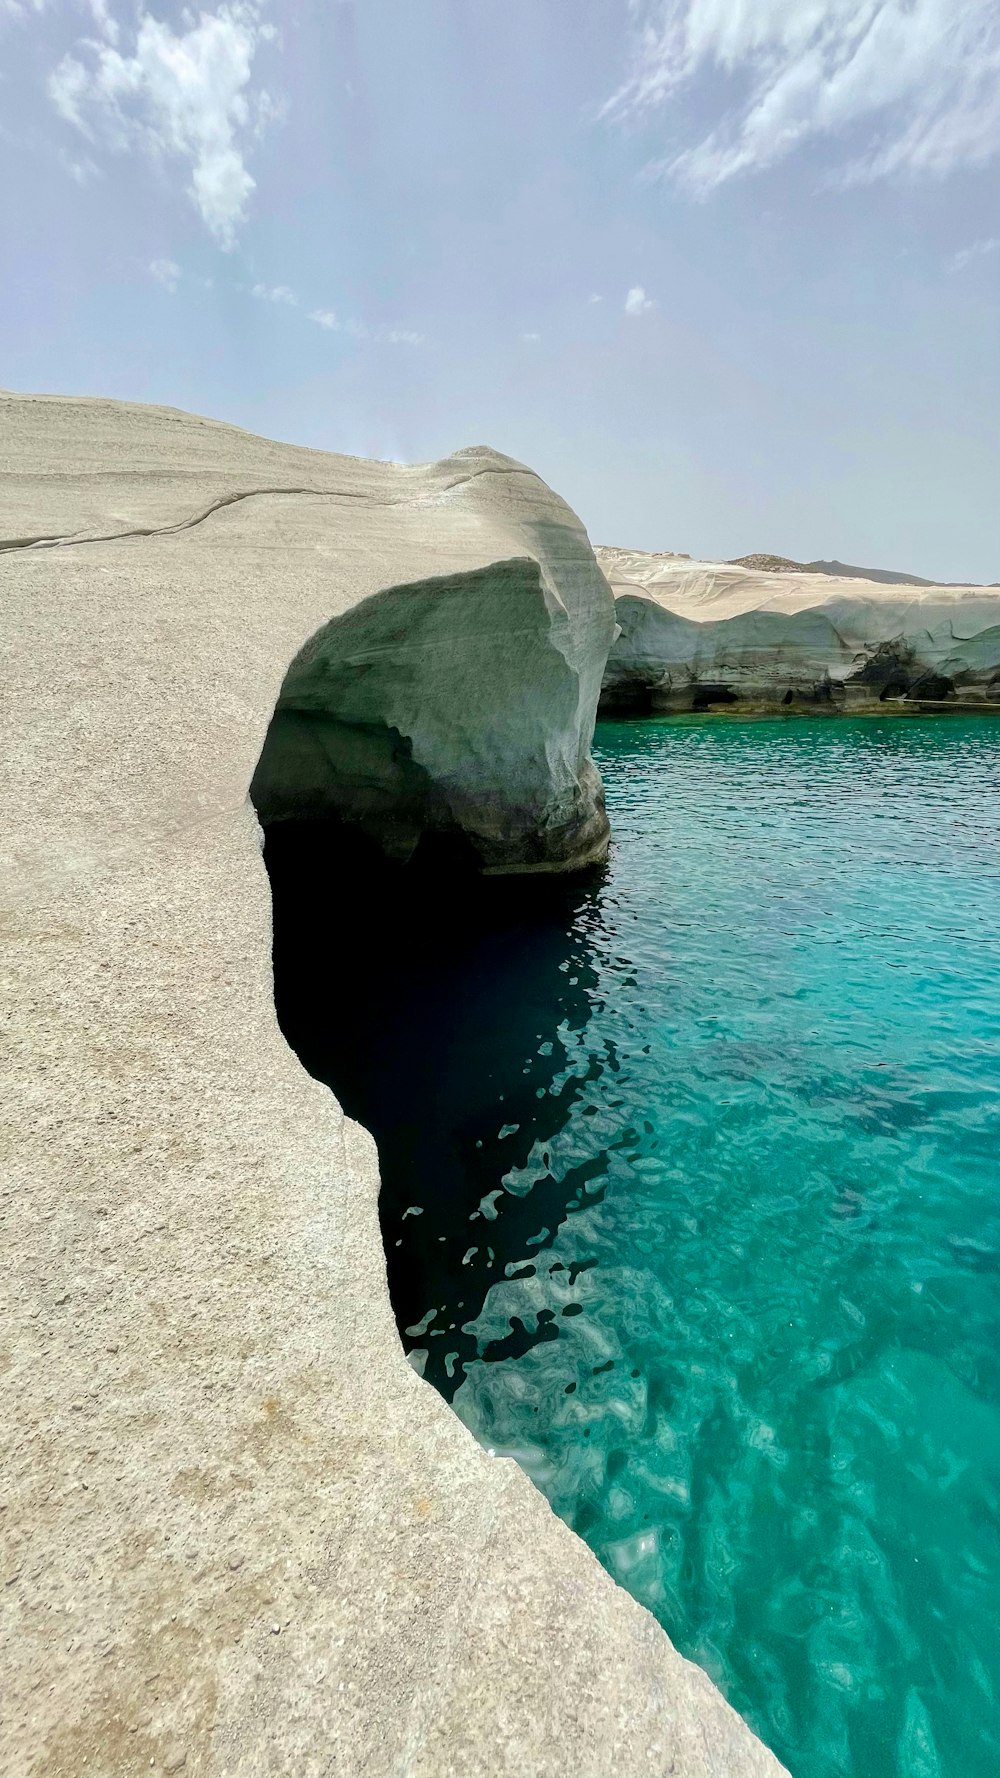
{"points": [[418, 992], [705, 696]]}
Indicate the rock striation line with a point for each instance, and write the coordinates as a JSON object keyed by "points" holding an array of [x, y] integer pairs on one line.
{"points": [[198, 518]]}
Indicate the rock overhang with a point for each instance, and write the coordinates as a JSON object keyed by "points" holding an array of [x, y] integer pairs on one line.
{"points": [[450, 705]]}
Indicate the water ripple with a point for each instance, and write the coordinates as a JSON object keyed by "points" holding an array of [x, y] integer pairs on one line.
{"points": [[784, 1427], [710, 1242]]}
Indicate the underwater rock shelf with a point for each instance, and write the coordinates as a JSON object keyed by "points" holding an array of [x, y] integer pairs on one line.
{"points": [[240, 1534]]}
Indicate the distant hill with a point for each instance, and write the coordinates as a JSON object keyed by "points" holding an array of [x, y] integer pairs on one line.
{"points": [[765, 564], [888, 576]]}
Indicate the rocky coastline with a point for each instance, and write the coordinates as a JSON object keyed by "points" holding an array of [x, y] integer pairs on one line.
{"points": [[240, 1536], [702, 636]]}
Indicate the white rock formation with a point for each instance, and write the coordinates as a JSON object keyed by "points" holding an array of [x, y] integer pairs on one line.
{"points": [[695, 634], [240, 1536], [459, 623]]}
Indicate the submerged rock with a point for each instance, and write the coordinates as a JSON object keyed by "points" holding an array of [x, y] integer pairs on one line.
{"points": [[694, 635]]}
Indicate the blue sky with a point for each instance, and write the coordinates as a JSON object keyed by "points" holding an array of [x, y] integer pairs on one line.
{"points": [[726, 272]]}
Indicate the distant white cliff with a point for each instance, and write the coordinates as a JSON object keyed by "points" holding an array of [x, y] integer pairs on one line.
{"points": [[693, 635]]}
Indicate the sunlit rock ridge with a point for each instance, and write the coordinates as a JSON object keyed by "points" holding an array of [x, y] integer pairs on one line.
{"points": [[240, 1535], [697, 635]]}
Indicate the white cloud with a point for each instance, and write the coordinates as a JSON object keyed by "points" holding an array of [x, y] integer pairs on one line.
{"points": [[82, 169], [916, 83], [395, 336], [20, 9], [103, 19], [98, 10], [637, 302], [181, 95], [331, 321], [531, 339], [166, 272], [978, 250], [276, 293], [595, 298]]}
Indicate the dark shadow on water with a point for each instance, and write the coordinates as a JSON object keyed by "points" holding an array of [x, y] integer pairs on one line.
{"points": [[437, 1006]]}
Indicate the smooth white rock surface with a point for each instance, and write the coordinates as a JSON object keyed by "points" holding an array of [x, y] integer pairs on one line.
{"points": [[239, 1536]]}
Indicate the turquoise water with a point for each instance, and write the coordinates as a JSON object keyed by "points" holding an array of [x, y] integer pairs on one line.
{"points": [[691, 1205]]}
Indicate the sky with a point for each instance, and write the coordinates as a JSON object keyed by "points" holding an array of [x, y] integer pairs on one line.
{"points": [[725, 272]]}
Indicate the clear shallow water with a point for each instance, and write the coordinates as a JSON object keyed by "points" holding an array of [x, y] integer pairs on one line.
{"points": [[691, 1202]]}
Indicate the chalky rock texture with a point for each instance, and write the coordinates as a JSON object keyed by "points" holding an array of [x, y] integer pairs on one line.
{"points": [[239, 1535], [460, 625], [462, 704], [695, 635]]}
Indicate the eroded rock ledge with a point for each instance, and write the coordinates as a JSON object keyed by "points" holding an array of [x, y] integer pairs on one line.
{"points": [[703, 635], [241, 1536]]}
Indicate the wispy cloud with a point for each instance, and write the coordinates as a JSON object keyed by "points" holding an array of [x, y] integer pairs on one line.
{"points": [[79, 167], [978, 250], [166, 272], [103, 19], [637, 302], [331, 322], [907, 86], [281, 296], [20, 9], [531, 339], [98, 9], [275, 293], [182, 95]]}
